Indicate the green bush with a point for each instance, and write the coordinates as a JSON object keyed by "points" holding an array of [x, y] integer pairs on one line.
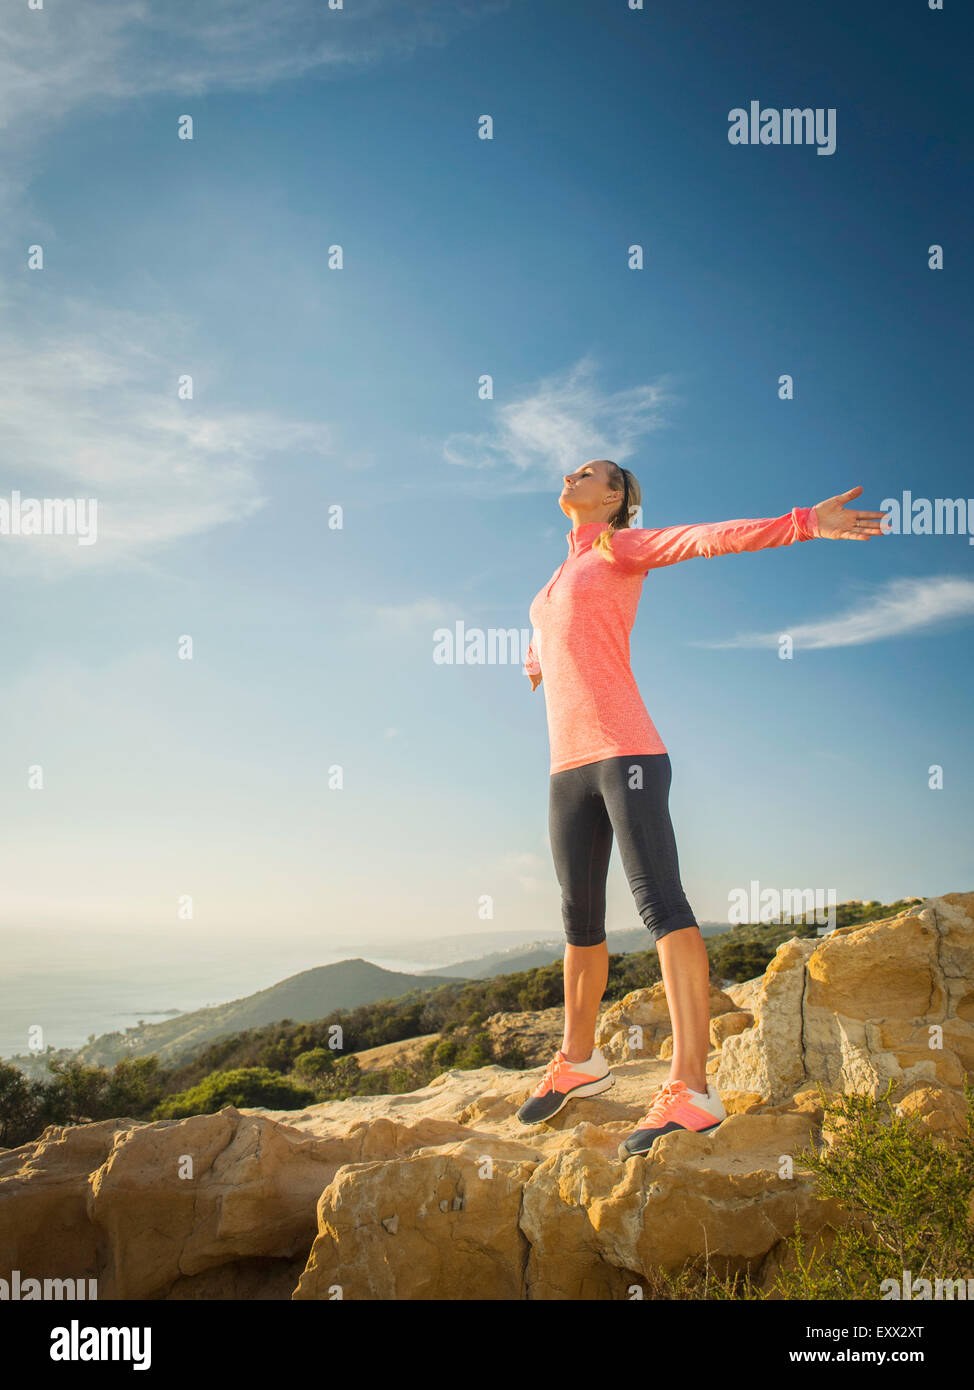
{"points": [[20, 1107], [908, 1192], [318, 1061], [740, 960], [245, 1086], [908, 1198]]}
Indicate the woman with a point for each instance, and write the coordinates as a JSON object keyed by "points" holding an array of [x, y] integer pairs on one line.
{"points": [[610, 777]]}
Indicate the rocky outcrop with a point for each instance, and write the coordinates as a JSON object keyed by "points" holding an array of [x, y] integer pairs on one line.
{"points": [[891, 1000], [538, 1035], [639, 1023], [441, 1194], [407, 1053]]}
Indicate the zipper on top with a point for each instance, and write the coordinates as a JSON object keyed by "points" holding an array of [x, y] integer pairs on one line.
{"points": [[556, 579]]}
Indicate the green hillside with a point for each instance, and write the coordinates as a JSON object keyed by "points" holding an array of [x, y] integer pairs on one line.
{"points": [[312, 994]]}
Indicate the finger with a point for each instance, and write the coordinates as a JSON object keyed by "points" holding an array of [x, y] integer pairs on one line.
{"points": [[853, 492]]}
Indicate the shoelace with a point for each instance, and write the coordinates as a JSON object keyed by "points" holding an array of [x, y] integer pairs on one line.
{"points": [[667, 1094], [557, 1064]]}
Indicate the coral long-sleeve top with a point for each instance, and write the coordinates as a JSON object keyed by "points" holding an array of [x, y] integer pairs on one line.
{"points": [[582, 619]]}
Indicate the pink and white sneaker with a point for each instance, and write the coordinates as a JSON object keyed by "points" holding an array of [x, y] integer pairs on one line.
{"points": [[564, 1081], [675, 1106]]}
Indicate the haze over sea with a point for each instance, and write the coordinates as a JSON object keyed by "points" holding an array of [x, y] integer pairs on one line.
{"points": [[74, 984]]}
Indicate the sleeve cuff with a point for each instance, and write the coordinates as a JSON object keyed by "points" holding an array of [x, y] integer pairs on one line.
{"points": [[806, 519]]}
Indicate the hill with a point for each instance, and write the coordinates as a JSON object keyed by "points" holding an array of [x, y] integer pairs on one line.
{"points": [[311, 994], [551, 948]]}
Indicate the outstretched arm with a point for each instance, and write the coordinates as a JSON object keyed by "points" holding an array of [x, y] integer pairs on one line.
{"points": [[643, 550]]}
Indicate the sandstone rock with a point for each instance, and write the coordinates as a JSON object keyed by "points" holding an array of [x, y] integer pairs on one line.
{"points": [[179, 1197], [725, 1026], [398, 1054], [635, 1026], [889, 1000], [539, 1035], [741, 1102], [745, 993], [44, 1224], [721, 1195], [435, 1225], [769, 1058], [938, 1109]]}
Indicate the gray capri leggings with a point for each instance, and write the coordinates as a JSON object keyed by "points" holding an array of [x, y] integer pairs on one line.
{"points": [[627, 795]]}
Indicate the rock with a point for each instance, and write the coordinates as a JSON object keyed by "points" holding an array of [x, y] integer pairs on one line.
{"points": [[457, 1235], [539, 1035], [744, 994], [406, 1053], [44, 1222], [889, 1000], [769, 1058], [593, 1227], [179, 1197], [938, 1109], [726, 1026], [635, 1026]]}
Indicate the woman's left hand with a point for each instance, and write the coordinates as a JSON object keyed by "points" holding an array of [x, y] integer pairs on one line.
{"points": [[839, 523]]}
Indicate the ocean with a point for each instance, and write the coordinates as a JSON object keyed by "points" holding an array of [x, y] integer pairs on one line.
{"points": [[73, 983]]}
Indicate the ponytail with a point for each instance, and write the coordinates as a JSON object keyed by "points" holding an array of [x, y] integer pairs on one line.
{"points": [[620, 480]]}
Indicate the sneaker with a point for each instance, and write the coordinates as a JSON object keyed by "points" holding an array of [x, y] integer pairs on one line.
{"points": [[564, 1081], [675, 1106]]}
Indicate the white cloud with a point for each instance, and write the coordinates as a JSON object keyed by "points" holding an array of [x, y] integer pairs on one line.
{"points": [[66, 56], [96, 56], [88, 408], [900, 608], [564, 421], [419, 612]]}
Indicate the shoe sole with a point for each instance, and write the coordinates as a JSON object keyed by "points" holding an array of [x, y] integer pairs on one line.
{"points": [[594, 1088], [625, 1153]]}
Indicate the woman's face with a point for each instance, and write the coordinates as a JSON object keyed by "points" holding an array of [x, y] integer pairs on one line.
{"points": [[584, 495]]}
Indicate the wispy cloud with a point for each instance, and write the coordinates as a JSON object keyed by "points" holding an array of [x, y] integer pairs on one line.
{"points": [[88, 408], [900, 608], [55, 60], [567, 419], [94, 56], [421, 612]]}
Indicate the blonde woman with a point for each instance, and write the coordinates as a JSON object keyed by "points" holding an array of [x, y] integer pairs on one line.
{"points": [[610, 777]]}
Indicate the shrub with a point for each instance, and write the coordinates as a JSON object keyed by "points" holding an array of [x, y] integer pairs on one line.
{"points": [[908, 1195], [245, 1086], [314, 1063]]}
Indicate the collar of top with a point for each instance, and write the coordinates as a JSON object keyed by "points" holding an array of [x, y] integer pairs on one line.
{"points": [[581, 537]]}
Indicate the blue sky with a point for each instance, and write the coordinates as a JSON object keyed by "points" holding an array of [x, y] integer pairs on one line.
{"points": [[357, 388]]}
